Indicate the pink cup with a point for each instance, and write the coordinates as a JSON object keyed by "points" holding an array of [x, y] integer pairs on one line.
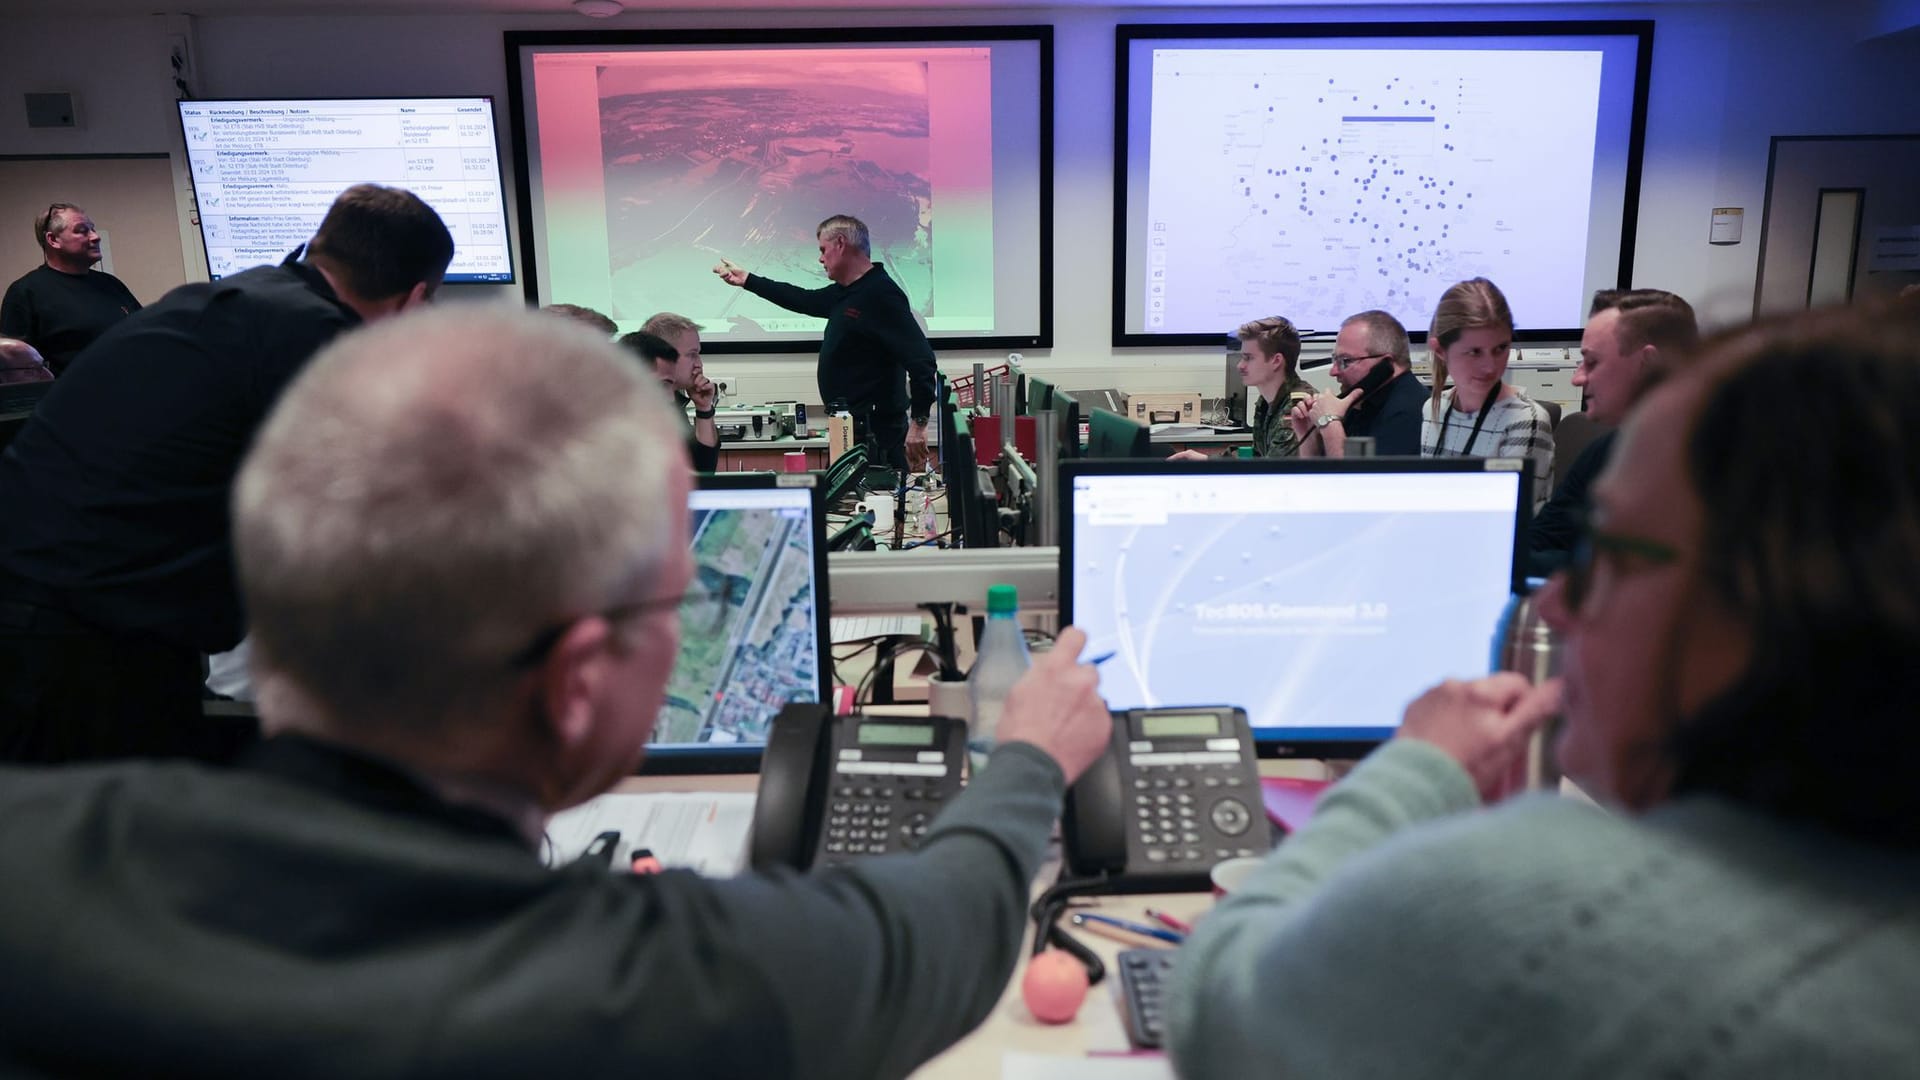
{"points": [[794, 461]]}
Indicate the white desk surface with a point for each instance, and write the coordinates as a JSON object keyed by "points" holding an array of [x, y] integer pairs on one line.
{"points": [[1010, 1026]]}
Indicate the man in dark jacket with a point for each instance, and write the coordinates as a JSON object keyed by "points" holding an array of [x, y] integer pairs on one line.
{"points": [[1632, 340], [116, 573]]}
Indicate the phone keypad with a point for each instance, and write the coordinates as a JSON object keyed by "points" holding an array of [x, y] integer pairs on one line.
{"points": [[1185, 812], [865, 819]]}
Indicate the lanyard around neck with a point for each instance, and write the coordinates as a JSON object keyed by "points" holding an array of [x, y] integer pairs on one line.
{"points": [[1440, 445]]}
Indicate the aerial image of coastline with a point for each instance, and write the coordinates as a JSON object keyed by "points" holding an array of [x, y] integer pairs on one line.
{"points": [[743, 160], [727, 685]]}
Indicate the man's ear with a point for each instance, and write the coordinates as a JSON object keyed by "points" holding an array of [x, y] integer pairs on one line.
{"points": [[421, 293], [572, 679]]}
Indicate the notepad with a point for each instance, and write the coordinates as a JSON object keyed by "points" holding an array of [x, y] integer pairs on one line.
{"points": [[703, 832]]}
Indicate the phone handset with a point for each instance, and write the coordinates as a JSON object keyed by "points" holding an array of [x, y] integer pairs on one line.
{"points": [[835, 788], [1381, 375]]}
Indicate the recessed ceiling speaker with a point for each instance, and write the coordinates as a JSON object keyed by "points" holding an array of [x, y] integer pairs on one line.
{"points": [[57, 111]]}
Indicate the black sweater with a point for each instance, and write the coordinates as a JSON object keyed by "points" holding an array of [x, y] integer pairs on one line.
{"points": [[871, 335]]}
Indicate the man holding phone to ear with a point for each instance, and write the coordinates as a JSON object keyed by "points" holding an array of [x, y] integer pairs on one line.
{"points": [[1380, 397]]}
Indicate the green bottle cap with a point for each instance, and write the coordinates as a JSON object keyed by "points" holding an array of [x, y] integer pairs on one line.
{"points": [[1002, 600]]}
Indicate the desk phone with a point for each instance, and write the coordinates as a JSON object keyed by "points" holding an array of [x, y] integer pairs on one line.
{"points": [[1177, 792], [836, 788]]}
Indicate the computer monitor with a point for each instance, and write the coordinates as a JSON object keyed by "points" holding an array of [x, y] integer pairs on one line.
{"points": [[1321, 596], [1039, 395], [1110, 435], [1068, 410], [761, 536]]}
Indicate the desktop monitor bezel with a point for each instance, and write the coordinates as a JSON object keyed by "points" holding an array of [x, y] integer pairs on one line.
{"points": [[1267, 742], [686, 758]]}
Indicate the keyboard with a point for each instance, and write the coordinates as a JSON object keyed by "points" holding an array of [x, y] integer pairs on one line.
{"points": [[1143, 976]]}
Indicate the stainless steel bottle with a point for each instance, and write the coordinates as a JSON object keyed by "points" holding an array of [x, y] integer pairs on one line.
{"points": [[1525, 644]]}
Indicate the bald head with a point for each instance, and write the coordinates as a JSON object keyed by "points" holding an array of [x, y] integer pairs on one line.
{"points": [[22, 363], [431, 492]]}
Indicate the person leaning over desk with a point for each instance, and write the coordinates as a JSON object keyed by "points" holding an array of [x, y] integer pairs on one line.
{"points": [[1749, 903], [463, 543], [116, 562]]}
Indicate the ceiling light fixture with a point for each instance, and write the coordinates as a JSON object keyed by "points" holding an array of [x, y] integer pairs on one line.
{"points": [[599, 9]]}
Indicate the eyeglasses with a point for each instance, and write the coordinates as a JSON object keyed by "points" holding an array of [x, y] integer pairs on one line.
{"points": [[1342, 363], [1577, 583], [703, 611]]}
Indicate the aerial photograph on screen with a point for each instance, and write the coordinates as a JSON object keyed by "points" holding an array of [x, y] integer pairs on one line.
{"points": [[727, 685], [742, 155]]}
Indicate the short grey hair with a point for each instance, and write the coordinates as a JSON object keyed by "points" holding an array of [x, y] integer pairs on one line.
{"points": [[845, 227], [669, 325], [1385, 335], [430, 494]]}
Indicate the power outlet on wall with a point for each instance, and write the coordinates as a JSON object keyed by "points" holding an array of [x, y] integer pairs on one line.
{"points": [[726, 384]]}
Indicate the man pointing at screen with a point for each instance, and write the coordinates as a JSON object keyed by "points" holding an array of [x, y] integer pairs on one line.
{"points": [[871, 336]]}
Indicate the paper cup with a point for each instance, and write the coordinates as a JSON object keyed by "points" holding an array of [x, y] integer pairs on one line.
{"points": [[794, 461], [1229, 873]]}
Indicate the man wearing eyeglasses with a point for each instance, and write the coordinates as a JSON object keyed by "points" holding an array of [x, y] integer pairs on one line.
{"points": [[61, 306], [116, 567], [466, 575], [1380, 398], [1632, 341]]}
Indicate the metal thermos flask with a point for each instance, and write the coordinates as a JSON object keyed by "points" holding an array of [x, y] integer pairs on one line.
{"points": [[1525, 644]]}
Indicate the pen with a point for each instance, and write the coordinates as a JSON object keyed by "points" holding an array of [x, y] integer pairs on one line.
{"points": [[1124, 937], [1178, 926], [1103, 658], [1169, 936]]}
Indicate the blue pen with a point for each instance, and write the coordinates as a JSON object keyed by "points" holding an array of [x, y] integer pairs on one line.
{"points": [[1103, 658], [1160, 933]]}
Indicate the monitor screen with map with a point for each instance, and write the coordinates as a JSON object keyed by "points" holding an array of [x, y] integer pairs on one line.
{"points": [[1320, 596], [757, 541], [645, 156], [1354, 166]]}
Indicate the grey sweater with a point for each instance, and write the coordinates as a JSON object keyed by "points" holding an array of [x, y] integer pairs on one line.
{"points": [[316, 913], [1396, 936]]}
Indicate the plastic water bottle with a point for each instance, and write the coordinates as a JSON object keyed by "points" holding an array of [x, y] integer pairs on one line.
{"points": [[1000, 661]]}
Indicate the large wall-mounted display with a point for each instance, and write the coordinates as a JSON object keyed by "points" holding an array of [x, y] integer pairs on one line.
{"points": [[1316, 171], [265, 172], [644, 158]]}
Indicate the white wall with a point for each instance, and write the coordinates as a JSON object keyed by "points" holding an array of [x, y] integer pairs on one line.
{"points": [[1726, 77]]}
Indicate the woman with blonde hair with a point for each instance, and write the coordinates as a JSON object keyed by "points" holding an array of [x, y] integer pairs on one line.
{"points": [[1481, 415]]}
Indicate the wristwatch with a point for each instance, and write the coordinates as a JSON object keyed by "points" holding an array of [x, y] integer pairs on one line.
{"points": [[920, 420], [703, 414], [1327, 418]]}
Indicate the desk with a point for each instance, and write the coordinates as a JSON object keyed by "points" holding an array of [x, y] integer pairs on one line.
{"points": [[770, 455], [1010, 1026], [1212, 445]]}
